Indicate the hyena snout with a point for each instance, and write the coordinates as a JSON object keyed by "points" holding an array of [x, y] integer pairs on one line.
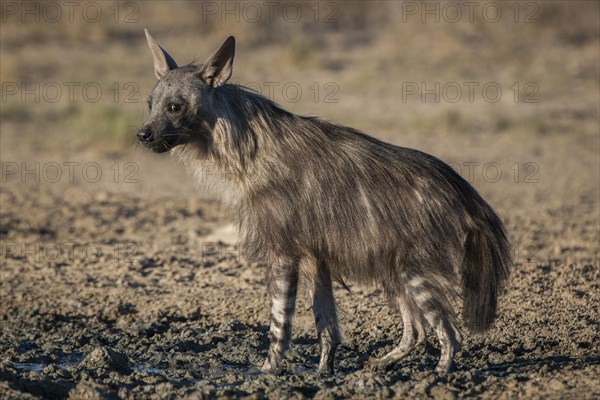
{"points": [[152, 138], [145, 135]]}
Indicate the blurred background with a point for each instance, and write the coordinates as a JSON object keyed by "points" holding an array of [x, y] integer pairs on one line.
{"points": [[506, 92], [543, 56]]}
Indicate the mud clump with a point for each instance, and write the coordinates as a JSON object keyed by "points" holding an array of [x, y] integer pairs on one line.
{"points": [[106, 360]]}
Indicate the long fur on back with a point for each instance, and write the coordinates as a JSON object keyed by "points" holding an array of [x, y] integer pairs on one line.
{"points": [[372, 212]]}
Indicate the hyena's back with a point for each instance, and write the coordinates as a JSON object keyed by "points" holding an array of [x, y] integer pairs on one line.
{"points": [[377, 213]]}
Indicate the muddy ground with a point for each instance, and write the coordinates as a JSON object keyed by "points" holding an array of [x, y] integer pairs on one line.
{"points": [[124, 290]]}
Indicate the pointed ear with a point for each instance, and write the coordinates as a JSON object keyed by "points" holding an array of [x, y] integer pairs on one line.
{"points": [[218, 68], [163, 62]]}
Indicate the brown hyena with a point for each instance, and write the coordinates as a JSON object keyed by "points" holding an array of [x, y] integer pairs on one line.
{"points": [[320, 202]]}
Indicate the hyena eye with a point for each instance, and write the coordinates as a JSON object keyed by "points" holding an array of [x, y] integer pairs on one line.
{"points": [[174, 108]]}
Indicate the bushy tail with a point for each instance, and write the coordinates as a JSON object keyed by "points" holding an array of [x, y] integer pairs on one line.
{"points": [[485, 269]]}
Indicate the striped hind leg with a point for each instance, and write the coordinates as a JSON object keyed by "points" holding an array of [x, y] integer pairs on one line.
{"points": [[326, 321], [413, 334], [450, 340], [437, 311], [283, 286]]}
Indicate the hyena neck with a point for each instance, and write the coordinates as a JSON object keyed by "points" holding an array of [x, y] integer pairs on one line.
{"points": [[246, 128]]}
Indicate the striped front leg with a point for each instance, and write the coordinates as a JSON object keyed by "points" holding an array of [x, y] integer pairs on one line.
{"points": [[283, 286], [325, 319]]}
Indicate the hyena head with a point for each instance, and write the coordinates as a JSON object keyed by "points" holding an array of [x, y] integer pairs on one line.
{"points": [[180, 106]]}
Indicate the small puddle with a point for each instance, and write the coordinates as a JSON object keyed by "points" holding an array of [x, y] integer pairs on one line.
{"points": [[147, 369], [29, 366], [67, 363], [71, 361], [251, 371], [236, 369]]}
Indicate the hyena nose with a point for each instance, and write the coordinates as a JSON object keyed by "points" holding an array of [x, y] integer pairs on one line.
{"points": [[145, 135]]}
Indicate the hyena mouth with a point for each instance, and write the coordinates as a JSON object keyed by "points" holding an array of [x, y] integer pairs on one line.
{"points": [[163, 145], [158, 147]]}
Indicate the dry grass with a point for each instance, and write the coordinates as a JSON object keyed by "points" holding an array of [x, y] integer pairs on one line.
{"points": [[370, 54]]}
